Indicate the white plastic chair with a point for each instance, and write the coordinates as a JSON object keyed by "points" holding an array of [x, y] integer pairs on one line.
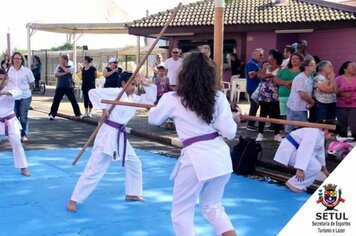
{"points": [[78, 83], [99, 83], [226, 88]]}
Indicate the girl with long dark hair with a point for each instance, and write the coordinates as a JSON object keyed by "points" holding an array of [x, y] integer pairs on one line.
{"points": [[202, 118]]}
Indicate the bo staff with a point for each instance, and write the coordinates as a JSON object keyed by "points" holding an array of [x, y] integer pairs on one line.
{"points": [[244, 117], [102, 120]]}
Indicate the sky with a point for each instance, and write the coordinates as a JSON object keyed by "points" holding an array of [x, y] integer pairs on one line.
{"points": [[20, 12]]}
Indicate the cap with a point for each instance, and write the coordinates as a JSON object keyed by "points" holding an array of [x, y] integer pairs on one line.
{"points": [[113, 59], [303, 43]]}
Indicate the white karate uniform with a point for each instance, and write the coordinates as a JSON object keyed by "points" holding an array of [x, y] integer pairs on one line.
{"points": [[309, 157], [105, 144], [203, 168], [7, 104]]}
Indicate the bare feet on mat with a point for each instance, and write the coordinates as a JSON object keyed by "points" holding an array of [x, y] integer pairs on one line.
{"points": [[72, 206], [134, 198], [294, 189], [25, 172], [24, 139]]}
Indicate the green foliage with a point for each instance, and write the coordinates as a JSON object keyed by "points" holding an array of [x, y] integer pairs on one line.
{"points": [[64, 47]]}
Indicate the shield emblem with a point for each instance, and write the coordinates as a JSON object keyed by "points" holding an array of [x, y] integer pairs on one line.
{"points": [[330, 196]]}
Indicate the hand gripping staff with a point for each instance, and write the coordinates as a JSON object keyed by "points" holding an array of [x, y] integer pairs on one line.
{"points": [[103, 118]]}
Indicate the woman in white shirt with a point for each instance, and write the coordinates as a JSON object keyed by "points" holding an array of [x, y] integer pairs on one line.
{"points": [[202, 118], [23, 78]]}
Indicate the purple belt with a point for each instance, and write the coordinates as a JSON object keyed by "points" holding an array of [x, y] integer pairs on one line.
{"points": [[121, 129], [204, 137], [6, 121]]}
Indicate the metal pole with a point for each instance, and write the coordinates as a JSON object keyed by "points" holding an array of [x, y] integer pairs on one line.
{"points": [[9, 52], [138, 51], [46, 68], [29, 57]]}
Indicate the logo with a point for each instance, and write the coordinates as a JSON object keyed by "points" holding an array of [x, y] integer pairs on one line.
{"points": [[330, 197]]}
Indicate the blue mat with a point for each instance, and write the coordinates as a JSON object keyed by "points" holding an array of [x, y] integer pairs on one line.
{"points": [[36, 205]]}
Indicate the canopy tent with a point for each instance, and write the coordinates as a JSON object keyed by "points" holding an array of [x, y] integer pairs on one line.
{"points": [[103, 16]]}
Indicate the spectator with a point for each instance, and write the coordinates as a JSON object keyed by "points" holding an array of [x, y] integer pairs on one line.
{"points": [[23, 78], [236, 64], [324, 93], [64, 73], [6, 62], [157, 63], [302, 46], [162, 82], [252, 68], [346, 98], [205, 49], [112, 73], [268, 94], [173, 66], [287, 54], [36, 70], [300, 99], [89, 75], [284, 79]]}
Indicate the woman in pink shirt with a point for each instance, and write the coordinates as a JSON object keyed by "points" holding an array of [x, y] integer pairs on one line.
{"points": [[346, 98]]}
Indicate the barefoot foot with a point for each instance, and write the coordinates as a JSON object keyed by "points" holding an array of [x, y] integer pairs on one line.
{"points": [[294, 189], [25, 172], [72, 206], [134, 198]]}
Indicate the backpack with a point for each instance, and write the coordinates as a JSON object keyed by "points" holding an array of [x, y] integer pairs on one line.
{"points": [[244, 156]]}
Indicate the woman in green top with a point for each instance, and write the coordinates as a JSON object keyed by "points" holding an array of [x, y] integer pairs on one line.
{"points": [[284, 79]]}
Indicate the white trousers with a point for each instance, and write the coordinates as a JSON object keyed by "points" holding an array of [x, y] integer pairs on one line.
{"points": [[187, 189], [97, 167], [17, 150], [310, 174]]}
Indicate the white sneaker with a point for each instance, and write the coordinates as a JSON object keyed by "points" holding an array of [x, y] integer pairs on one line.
{"points": [[51, 117], [259, 137], [277, 138], [89, 115]]}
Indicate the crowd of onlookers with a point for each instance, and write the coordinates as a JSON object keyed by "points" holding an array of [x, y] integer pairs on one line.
{"points": [[296, 86], [290, 85]]}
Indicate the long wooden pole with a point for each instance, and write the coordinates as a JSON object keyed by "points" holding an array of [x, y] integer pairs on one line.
{"points": [[244, 117], [219, 38], [102, 120]]}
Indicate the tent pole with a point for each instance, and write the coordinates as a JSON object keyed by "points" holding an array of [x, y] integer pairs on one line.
{"points": [[29, 60], [138, 51], [74, 53]]}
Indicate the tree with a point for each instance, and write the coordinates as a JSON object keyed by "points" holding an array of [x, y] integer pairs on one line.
{"points": [[65, 47]]}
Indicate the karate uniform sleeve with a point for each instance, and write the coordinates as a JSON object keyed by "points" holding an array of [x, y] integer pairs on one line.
{"points": [[96, 95], [306, 150], [320, 155], [224, 121], [15, 93], [149, 97], [157, 115]]}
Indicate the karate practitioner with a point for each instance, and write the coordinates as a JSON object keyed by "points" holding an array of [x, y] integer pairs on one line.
{"points": [[203, 117], [10, 127], [304, 149], [111, 143]]}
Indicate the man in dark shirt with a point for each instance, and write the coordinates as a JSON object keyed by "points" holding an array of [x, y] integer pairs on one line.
{"points": [[252, 82], [64, 73]]}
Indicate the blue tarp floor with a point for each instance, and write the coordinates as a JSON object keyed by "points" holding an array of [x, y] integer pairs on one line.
{"points": [[36, 205]]}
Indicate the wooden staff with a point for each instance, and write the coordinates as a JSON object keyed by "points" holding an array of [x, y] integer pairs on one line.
{"points": [[244, 117], [102, 120]]}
